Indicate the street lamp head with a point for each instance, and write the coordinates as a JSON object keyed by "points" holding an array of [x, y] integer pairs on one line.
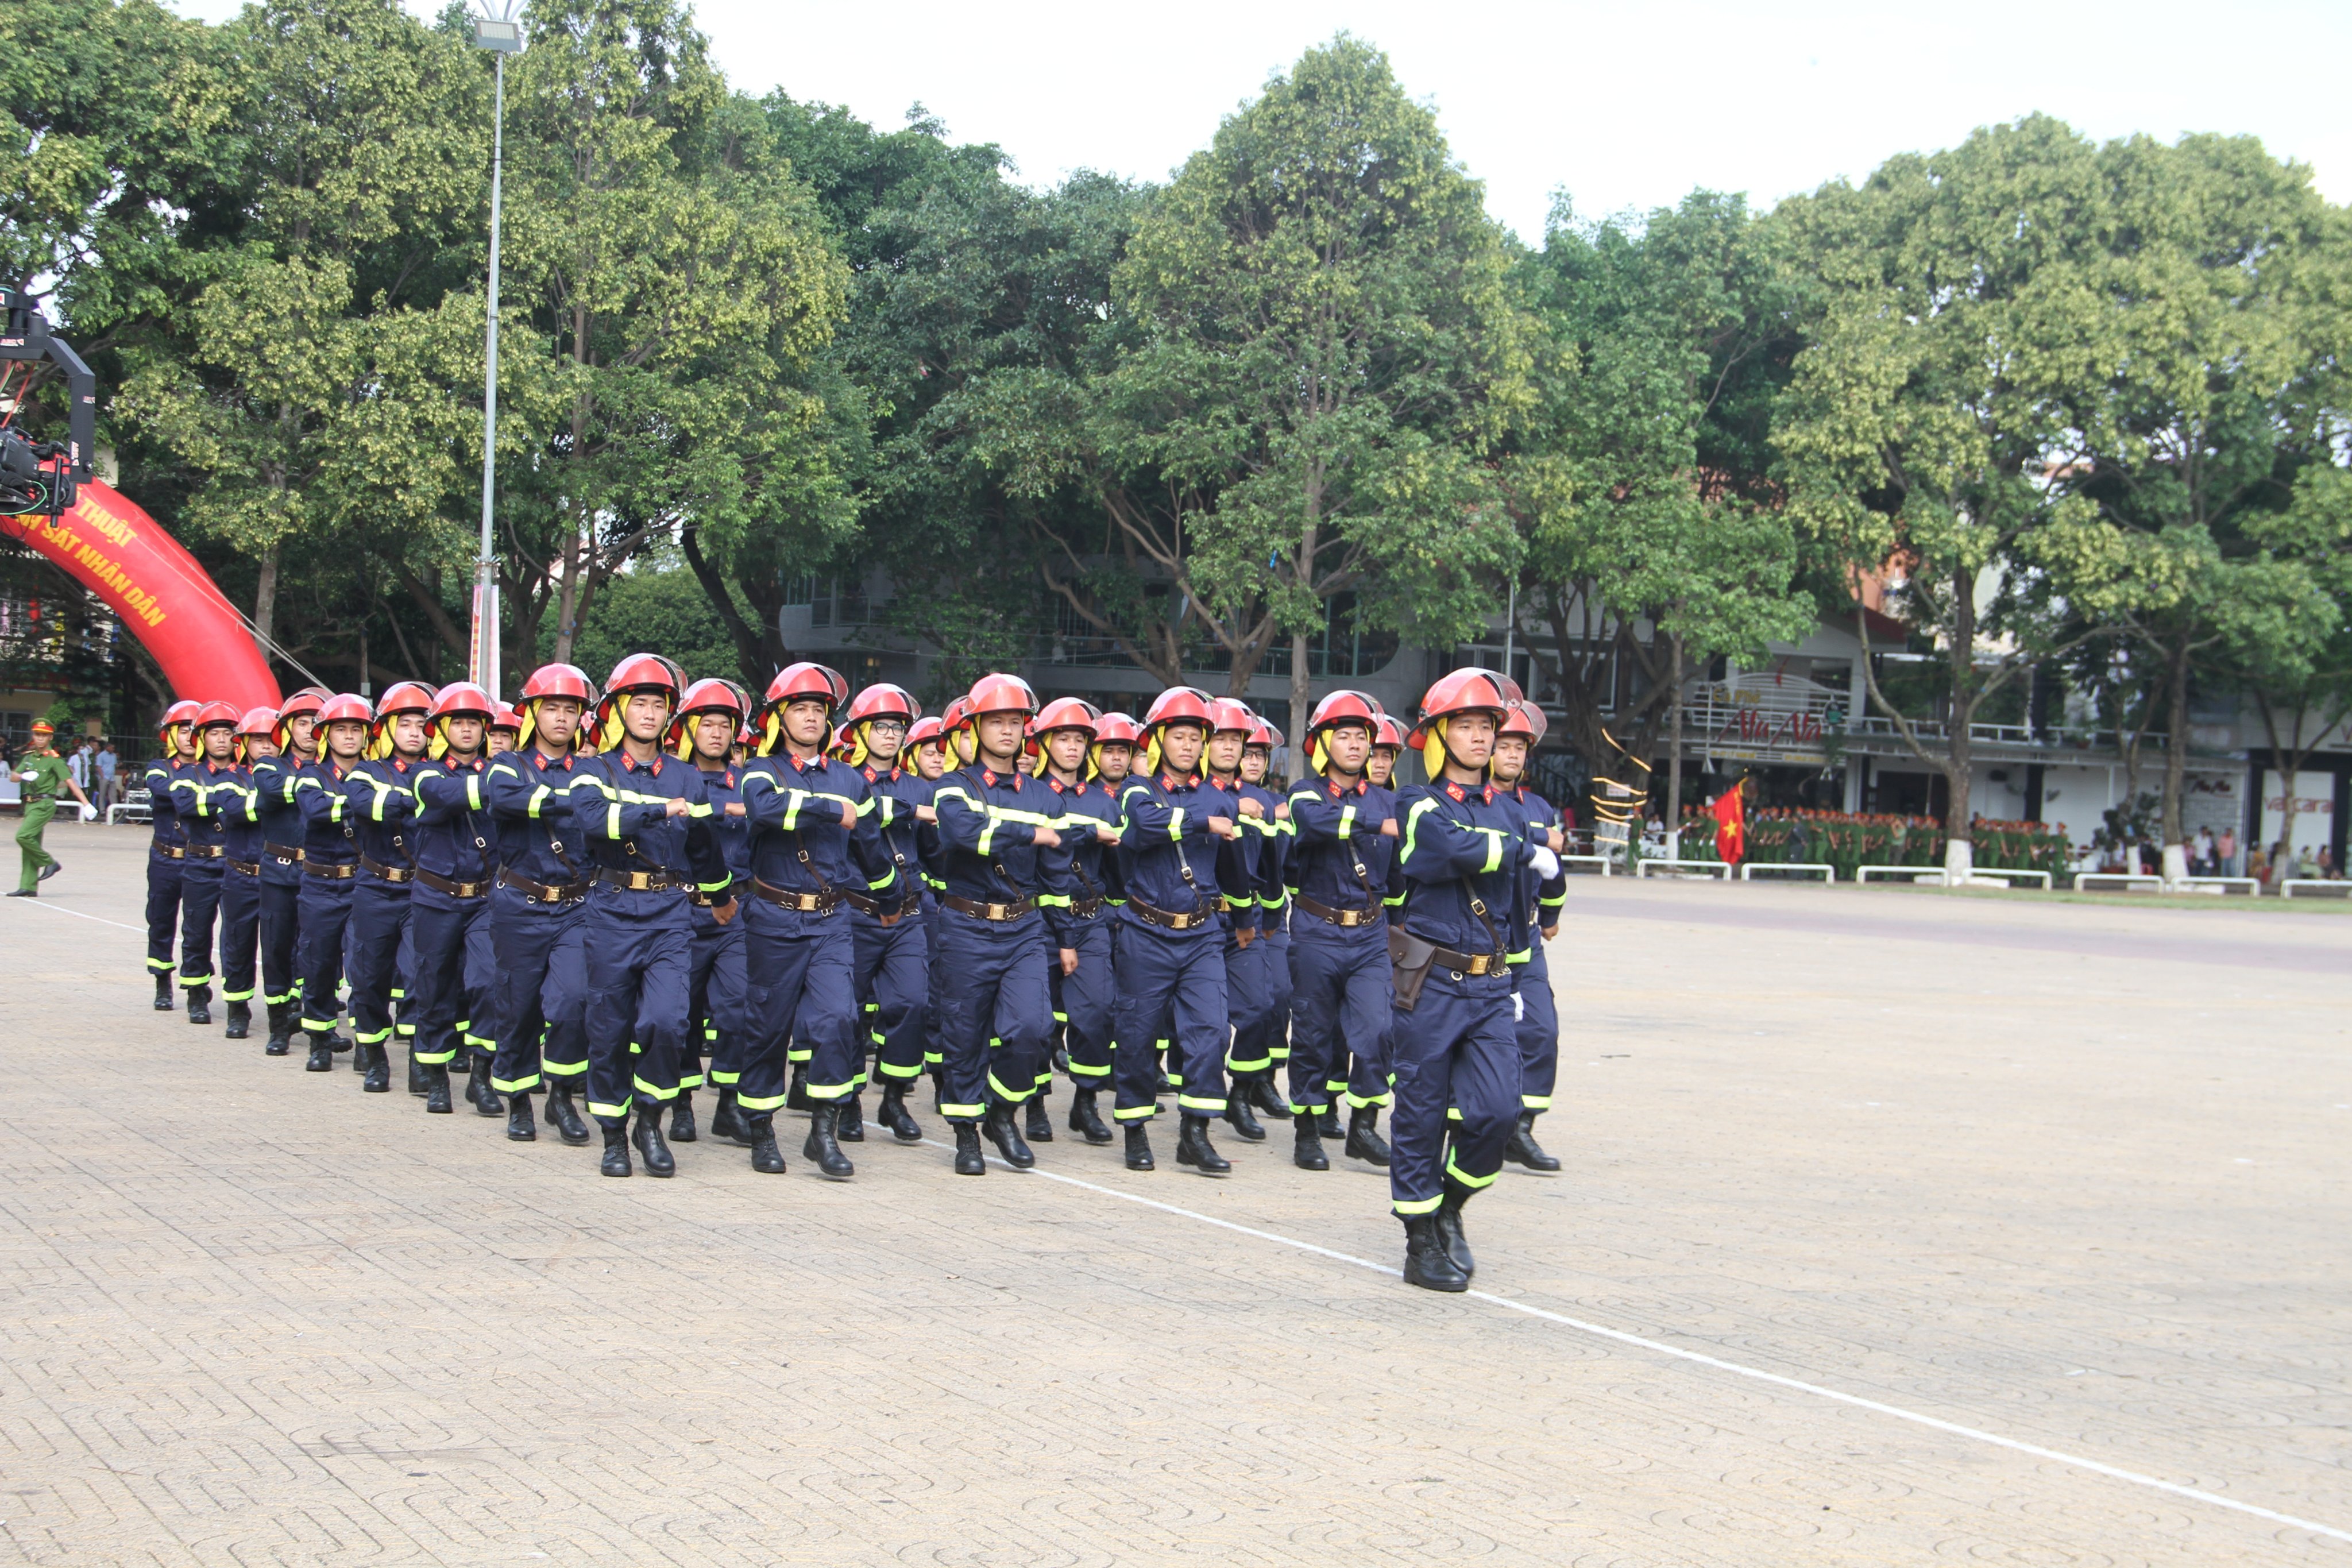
{"points": [[504, 37]]}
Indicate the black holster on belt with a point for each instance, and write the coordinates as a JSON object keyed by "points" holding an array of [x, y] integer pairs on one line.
{"points": [[1409, 962]]}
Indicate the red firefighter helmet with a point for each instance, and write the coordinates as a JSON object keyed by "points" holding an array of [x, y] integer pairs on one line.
{"points": [[956, 715], [1344, 707], [708, 696], [925, 732], [400, 697], [746, 737], [223, 714], [1261, 733], [1117, 730], [955, 731], [804, 681], [1526, 720], [1388, 732], [1067, 713], [183, 712], [1228, 713], [638, 672], [558, 680], [1470, 690], [304, 702], [884, 700], [343, 708], [261, 721], [1179, 705], [1001, 694], [463, 700], [507, 719]]}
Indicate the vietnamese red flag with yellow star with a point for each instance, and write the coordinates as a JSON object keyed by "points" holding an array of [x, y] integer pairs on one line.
{"points": [[1730, 826]]}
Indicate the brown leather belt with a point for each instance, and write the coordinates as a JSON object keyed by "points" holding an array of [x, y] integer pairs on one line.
{"points": [[545, 892], [1331, 915], [806, 904], [286, 854], [389, 873], [1086, 909], [653, 881], [330, 872], [973, 907], [888, 914], [455, 890], [1466, 962], [205, 852], [1168, 920], [701, 899], [173, 851], [245, 867]]}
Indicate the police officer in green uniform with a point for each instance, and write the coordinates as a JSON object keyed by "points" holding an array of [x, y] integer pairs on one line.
{"points": [[43, 775]]}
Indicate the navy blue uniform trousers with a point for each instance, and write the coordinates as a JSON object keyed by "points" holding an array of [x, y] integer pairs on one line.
{"points": [[1539, 1030], [1459, 1049], [1171, 986], [715, 990], [1084, 1002], [996, 1011], [541, 994], [379, 921], [280, 924], [325, 909], [200, 896], [240, 934], [1249, 998], [640, 982], [800, 972], [454, 969], [163, 877], [1340, 1006], [894, 965]]}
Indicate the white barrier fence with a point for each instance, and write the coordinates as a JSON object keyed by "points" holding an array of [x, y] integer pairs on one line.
{"points": [[1594, 865], [1749, 868], [2118, 881], [1685, 868], [2312, 887]]}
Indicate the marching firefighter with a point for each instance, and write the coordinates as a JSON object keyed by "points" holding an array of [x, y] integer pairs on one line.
{"points": [[1340, 867], [1454, 1042], [535, 906], [1242, 861], [1388, 745], [1003, 858], [926, 747], [646, 821], [277, 771], [43, 775], [1535, 920], [204, 793], [893, 953], [167, 850], [240, 906], [1171, 959], [1275, 835], [809, 840], [709, 716], [330, 861], [454, 843], [381, 791], [1087, 817], [505, 731]]}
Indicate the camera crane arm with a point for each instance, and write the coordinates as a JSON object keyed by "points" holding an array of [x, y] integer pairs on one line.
{"points": [[26, 484]]}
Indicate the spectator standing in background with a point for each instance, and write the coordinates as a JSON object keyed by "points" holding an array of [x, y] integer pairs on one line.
{"points": [[78, 766], [2200, 854], [2226, 846]]}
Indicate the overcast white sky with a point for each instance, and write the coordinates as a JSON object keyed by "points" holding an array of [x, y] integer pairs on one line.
{"points": [[1619, 105]]}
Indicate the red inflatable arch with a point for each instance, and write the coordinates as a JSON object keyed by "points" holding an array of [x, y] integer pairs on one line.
{"points": [[166, 600]]}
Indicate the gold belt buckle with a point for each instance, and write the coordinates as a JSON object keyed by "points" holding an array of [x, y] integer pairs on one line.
{"points": [[997, 911], [638, 881]]}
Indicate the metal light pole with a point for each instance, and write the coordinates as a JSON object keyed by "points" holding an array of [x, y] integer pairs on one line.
{"points": [[502, 35]]}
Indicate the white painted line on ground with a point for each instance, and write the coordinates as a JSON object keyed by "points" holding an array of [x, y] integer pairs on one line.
{"points": [[60, 909], [1660, 1347]]}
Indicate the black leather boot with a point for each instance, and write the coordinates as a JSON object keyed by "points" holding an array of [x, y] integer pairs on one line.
{"points": [[616, 1152], [418, 1083], [462, 1064], [436, 1091], [378, 1067], [681, 1118], [969, 1160], [479, 1092], [824, 1142], [1425, 1260], [566, 1116], [1037, 1120], [1267, 1098], [1523, 1149], [281, 1029], [1139, 1146], [1449, 1226], [1193, 1148], [240, 1021], [1307, 1153], [850, 1125], [1245, 1126], [648, 1139], [998, 1125], [200, 1009], [323, 1055], [759, 1131], [893, 1114], [1327, 1122], [731, 1121], [796, 1097], [163, 1002], [1364, 1141], [1085, 1120], [520, 1125]]}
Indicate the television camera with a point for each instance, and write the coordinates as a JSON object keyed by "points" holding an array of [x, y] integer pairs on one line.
{"points": [[39, 477]]}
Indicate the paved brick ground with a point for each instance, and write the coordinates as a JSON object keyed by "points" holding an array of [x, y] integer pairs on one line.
{"points": [[2072, 1175]]}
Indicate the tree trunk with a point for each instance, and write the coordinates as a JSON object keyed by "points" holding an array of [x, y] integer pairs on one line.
{"points": [[2176, 760], [751, 649], [265, 600], [567, 600], [1959, 850], [1674, 812], [1307, 545]]}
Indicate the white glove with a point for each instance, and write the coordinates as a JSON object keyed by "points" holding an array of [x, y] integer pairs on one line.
{"points": [[1518, 1008], [1545, 863], [89, 814]]}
